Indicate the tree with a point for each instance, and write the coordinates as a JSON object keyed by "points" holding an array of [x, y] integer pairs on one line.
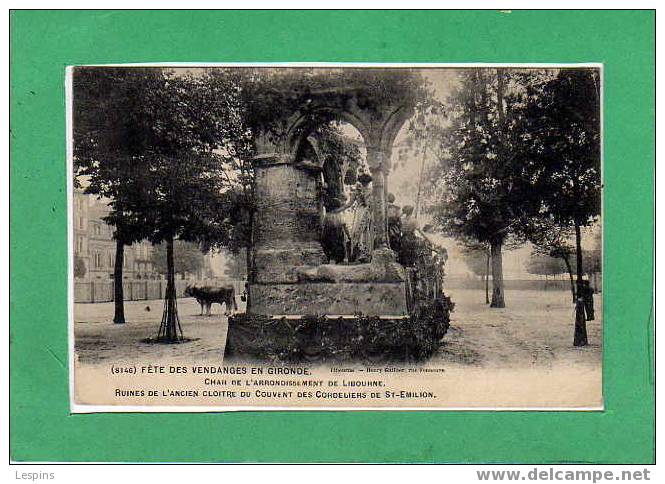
{"points": [[107, 101], [193, 133], [426, 126], [560, 141], [180, 134], [236, 267], [478, 189], [551, 240], [544, 265], [187, 258], [477, 260]]}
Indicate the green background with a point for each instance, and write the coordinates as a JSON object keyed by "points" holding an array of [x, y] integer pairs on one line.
{"points": [[44, 42]]}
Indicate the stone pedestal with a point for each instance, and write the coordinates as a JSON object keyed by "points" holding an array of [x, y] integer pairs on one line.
{"points": [[329, 298], [374, 289]]}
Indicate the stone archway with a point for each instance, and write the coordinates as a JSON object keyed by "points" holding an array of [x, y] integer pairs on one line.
{"points": [[289, 271], [378, 131]]}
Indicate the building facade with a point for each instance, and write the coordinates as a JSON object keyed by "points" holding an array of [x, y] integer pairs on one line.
{"points": [[94, 246]]}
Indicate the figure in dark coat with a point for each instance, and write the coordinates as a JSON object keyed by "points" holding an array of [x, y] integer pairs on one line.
{"points": [[587, 297], [409, 243], [394, 224]]}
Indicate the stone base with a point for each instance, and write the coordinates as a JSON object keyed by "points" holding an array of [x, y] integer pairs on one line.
{"points": [[280, 264], [334, 298]]}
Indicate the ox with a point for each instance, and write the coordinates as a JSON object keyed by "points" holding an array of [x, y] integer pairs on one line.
{"points": [[206, 296]]}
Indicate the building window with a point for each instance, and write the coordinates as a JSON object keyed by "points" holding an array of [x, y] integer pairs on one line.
{"points": [[79, 245]]}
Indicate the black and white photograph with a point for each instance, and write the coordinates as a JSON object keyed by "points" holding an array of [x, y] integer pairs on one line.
{"points": [[335, 236]]}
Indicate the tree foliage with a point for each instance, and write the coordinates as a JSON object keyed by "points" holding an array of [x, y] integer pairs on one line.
{"points": [[559, 131], [272, 96], [559, 144], [551, 241], [106, 104], [480, 190], [543, 265], [235, 264], [476, 261], [158, 144], [480, 187], [188, 258]]}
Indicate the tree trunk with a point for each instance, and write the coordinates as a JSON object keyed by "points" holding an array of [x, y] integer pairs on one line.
{"points": [[580, 338], [118, 294], [498, 300], [487, 279], [169, 329], [566, 260]]}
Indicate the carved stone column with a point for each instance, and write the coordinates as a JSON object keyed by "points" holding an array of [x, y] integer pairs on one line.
{"points": [[287, 220], [377, 160]]}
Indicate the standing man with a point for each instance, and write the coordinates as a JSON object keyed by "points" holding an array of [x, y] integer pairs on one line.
{"points": [[587, 296]]}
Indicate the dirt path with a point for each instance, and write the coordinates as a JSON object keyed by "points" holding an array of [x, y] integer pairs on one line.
{"points": [[534, 330], [98, 340], [518, 357]]}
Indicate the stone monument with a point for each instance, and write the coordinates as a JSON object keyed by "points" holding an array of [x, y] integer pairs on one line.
{"points": [[290, 274]]}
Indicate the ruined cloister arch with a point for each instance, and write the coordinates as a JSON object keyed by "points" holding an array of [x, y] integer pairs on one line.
{"points": [[306, 140], [299, 122], [288, 260]]}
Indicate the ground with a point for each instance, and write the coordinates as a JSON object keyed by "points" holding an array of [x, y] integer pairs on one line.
{"points": [[98, 340], [534, 331]]}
